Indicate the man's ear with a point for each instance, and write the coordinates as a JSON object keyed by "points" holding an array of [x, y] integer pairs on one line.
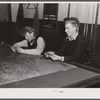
{"points": [[77, 29], [34, 34]]}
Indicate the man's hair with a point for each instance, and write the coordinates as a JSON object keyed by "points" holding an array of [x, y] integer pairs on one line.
{"points": [[26, 29], [74, 21]]}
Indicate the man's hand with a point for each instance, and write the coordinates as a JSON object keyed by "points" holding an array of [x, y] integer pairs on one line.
{"points": [[17, 49], [55, 57], [20, 50], [48, 54], [13, 48]]}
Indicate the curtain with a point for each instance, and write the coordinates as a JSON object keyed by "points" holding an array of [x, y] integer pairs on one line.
{"points": [[20, 17], [36, 22]]}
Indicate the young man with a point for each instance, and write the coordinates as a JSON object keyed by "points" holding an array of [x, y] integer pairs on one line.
{"points": [[73, 45], [31, 44]]}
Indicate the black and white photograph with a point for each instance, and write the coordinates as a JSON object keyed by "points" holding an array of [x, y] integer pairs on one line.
{"points": [[50, 45]]}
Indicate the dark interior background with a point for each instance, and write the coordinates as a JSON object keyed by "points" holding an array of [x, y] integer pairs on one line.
{"points": [[53, 37]]}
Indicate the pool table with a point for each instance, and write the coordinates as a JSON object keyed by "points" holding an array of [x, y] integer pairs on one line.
{"points": [[80, 76]]}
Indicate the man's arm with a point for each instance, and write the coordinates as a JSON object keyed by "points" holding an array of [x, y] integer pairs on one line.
{"points": [[21, 44], [39, 49], [40, 44], [58, 54], [18, 45], [77, 56]]}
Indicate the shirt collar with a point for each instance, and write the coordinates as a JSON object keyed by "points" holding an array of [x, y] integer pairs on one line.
{"points": [[73, 37]]}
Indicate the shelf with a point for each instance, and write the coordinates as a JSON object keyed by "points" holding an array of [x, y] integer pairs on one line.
{"points": [[50, 16]]}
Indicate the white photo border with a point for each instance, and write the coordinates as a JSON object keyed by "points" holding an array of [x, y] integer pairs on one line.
{"points": [[49, 93]]}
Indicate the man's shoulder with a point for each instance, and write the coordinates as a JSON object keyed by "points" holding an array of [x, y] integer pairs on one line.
{"points": [[40, 39], [81, 40], [80, 37]]}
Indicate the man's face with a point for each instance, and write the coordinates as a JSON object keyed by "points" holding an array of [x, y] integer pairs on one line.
{"points": [[70, 29], [29, 36]]}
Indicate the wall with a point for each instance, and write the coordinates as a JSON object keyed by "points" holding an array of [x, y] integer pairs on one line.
{"points": [[85, 12], [14, 10], [3, 12], [62, 11], [28, 13]]}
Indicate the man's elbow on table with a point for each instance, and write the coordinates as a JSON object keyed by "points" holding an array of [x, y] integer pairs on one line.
{"points": [[33, 52], [38, 52]]}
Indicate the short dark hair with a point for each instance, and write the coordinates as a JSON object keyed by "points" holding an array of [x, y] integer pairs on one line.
{"points": [[74, 21], [26, 29]]}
